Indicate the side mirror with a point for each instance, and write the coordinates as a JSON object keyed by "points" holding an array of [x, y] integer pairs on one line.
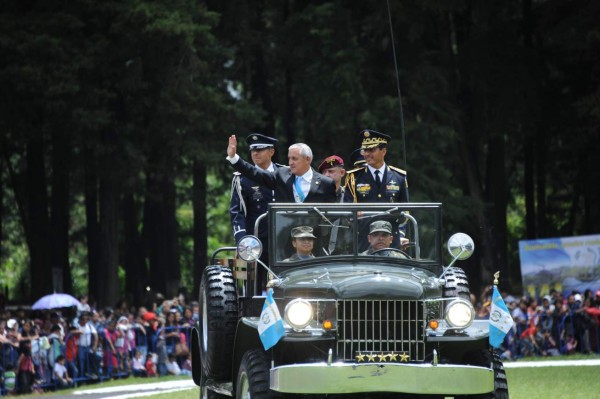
{"points": [[249, 248], [461, 246]]}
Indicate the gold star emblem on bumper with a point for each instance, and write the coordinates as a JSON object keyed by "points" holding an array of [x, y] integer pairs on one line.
{"points": [[404, 357], [360, 357]]}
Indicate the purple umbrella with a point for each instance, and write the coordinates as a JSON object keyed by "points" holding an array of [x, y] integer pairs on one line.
{"points": [[55, 301]]}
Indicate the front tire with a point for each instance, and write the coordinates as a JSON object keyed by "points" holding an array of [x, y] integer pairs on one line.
{"points": [[219, 307], [253, 376], [485, 358]]}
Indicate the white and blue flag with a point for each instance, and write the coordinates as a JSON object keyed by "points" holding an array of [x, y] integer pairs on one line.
{"points": [[500, 320], [270, 325]]}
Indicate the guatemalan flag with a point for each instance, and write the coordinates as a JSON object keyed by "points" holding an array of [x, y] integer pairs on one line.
{"points": [[270, 325], [500, 320]]}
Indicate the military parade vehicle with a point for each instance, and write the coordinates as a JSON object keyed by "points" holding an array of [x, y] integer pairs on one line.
{"points": [[393, 322]]}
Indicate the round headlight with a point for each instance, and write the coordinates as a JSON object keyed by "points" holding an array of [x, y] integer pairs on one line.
{"points": [[298, 313], [460, 313]]}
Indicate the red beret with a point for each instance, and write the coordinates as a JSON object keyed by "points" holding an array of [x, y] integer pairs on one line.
{"points": [[330, 162]]}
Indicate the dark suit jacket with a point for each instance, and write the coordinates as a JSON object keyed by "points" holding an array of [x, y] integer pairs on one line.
{"points": [[322, 188]]}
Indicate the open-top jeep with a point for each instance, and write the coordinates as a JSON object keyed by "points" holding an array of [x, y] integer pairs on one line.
{"points": [[392, 322]]}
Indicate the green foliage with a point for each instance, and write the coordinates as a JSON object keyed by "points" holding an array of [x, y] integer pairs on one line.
{"points": [[217, 213], [145, 88]]}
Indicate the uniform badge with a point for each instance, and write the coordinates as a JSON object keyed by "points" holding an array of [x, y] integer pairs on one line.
{"points": [[257, 194], [363, 189]]}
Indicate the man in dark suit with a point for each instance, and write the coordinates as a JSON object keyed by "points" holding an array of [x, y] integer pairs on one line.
{"points": [[376, 181], [296, 183]]}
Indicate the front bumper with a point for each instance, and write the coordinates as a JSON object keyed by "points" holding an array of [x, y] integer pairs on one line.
{"points": [[342, 378]]}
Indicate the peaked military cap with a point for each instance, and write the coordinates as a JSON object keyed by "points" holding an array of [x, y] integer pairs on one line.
{"points": [[259, 141], [330, 162], [380, 225], [357, 158], [302, 231], [372, 139]]}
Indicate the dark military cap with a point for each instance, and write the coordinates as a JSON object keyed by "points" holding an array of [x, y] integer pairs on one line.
{"points": [[380, 225], [259, 141], [357, 158], [372, 139], [330, 162], [302, 231]]}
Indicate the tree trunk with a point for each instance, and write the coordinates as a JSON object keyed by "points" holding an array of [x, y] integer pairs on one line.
{"points": [[260, 75], [92, 227], [160, 233], [497, 198], [2, 188], [60, 209], [39, 222], [200, 228], [108, 278], [136, 275], [528, 147]]}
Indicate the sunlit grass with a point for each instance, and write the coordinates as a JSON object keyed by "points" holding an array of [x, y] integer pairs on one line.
{"points": [[573, 382]]}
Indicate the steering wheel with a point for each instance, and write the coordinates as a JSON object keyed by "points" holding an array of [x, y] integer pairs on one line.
{"points": [[396, 250]]}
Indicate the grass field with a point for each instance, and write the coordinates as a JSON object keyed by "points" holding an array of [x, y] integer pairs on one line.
{"points": [[569, 382]]}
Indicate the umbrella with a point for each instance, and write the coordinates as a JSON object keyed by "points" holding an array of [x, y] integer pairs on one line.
{"points": [[54, 301]]}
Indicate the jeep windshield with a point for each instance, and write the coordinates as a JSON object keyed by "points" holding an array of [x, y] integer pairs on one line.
{"points": [[307, 233]]}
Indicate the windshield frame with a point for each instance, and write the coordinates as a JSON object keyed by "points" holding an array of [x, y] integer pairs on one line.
{"points": [[356, 214]]}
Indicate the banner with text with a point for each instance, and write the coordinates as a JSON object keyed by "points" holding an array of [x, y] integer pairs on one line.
{"points": [[564, 264]]}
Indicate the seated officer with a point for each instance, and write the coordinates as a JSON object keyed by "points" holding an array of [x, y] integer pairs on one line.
{"points": [[303, 241], [380, 237]]}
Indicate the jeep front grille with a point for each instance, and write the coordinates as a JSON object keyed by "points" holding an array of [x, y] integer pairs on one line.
{"points": [[375, 326]]}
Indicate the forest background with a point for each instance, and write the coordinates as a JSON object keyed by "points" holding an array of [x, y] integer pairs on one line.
{"points": [[114, 117]]}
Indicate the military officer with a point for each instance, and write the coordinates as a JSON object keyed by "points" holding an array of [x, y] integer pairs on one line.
{"points": [[333, 167], [303, 241], [249, 200], [376, 181], [357, 158], [380, 237]]}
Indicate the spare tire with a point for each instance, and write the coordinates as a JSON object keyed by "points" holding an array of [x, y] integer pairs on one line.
{"points": [[457, 284], [218, 321]]}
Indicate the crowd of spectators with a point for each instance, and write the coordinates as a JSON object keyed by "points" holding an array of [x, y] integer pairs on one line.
{"points": [[55, 349], [59, 348], [550, 325]]}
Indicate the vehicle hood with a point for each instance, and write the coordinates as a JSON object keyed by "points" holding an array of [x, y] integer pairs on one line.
{"points": [[358, 281]]}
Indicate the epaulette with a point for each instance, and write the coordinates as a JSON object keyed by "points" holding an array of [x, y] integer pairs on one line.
{"points": [[237, 174], [401, 171], [356, 170]]}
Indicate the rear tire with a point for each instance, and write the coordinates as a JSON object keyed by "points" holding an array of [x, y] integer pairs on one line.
{"points": [[218, 322]]}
